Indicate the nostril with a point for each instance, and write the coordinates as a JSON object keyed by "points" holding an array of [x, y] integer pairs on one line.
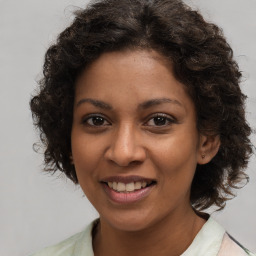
{"points": [[125, 156], [135, 162], [126, 164]]}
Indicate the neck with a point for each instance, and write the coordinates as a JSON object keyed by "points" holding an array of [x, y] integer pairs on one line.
{"points": [[171, 236]]}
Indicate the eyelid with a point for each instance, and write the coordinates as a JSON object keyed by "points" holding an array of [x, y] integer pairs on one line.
{"points": [[87, 117], [169, 118]]}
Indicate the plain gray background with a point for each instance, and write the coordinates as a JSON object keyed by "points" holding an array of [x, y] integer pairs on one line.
{"points": [[38, 209]]}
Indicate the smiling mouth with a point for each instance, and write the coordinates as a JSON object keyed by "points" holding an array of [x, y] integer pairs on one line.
{"points": [[129, 187]]}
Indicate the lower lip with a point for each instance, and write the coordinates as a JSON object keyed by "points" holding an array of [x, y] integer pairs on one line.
{"points": [[127, 197]]}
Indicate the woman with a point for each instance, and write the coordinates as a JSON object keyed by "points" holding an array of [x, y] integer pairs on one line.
{"points": [[140, 105]]}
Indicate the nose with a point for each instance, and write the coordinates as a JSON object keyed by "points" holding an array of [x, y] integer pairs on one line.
{"points": [[125, 148]]}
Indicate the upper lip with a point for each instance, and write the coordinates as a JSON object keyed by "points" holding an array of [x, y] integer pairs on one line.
{"points": [[127, 179]]}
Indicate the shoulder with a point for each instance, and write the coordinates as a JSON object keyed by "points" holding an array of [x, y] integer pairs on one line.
{"points": [[230, 246], [78, 244], [65, 247], [213, 240]]}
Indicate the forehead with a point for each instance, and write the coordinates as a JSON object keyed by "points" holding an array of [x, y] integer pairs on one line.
{"points": [[130, 76]]}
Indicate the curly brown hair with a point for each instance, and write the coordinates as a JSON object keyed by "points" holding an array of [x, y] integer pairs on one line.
{"points": [[201, 58]]}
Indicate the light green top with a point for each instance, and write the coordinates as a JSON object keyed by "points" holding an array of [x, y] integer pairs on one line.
{"points": [[212, 240]]}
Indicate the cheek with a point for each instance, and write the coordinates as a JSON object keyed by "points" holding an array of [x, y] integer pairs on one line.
{"points": [[176, 155], [176, 164], [85, 156]]}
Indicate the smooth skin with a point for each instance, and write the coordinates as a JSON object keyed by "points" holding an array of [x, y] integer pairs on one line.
{"points": [[132, 117]]}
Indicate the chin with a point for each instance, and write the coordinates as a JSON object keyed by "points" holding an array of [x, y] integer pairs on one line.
{"points": [[130, 222], [130, 226]]}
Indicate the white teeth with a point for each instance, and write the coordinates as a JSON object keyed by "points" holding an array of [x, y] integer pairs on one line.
{"points": [[130, 187], [138, 185], [120, 187]]}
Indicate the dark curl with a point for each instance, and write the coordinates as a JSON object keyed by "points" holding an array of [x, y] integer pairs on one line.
{"points": [[201, 58]]}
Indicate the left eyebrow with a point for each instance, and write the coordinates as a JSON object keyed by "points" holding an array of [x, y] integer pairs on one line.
{"points": [[154, 102]]}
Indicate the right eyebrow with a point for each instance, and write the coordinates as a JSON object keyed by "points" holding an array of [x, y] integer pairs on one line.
{"points": [[96, 103]]}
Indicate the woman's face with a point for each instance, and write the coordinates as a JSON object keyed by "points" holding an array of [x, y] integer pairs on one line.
{"points": [[134, 139]]}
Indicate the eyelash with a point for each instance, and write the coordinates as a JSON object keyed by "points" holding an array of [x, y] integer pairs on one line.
{"points": [[166, 118], [85, 120]]}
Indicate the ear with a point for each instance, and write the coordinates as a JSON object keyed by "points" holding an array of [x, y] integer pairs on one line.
{"points": [[208, 148]]}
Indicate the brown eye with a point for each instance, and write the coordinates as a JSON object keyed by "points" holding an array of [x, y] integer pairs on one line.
{"points": [[96, 121], [160, 120]]}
